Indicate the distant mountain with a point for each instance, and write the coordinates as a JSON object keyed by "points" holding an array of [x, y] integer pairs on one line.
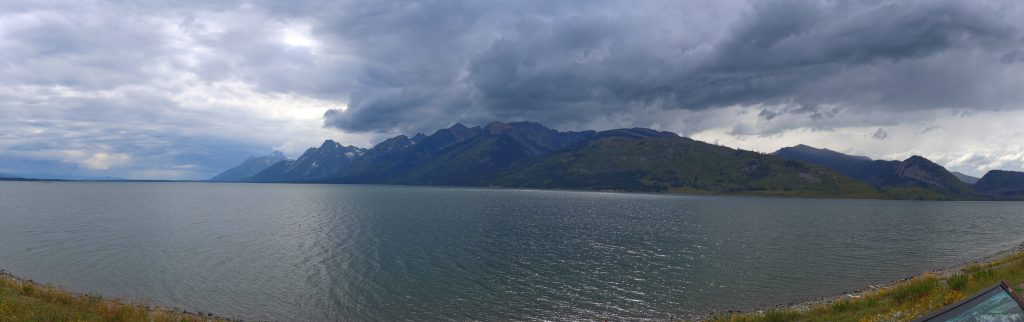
{"points": [[857, 167], [917, 171], [251, 166], [965, 178], [526, 154], [64, 177], [315, 164], [642, 159], [1001, 183], [914, 172], [458, 155]]}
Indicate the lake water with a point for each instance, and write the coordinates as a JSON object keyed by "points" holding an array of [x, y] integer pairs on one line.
{"points": [[349, 252]]}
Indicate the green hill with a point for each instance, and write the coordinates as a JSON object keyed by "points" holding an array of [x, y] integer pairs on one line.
{"points": [[619, 161]]}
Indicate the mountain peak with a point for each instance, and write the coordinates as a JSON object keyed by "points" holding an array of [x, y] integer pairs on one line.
{"points": [[454, 134], [314, 164], [805, 148], [808, 151], [1001, 182], [915, 157], [330, 144], [418, 137], [929, 173], [521, 126], [275, 155], [808, 148], [496, 127], [637, 133]]}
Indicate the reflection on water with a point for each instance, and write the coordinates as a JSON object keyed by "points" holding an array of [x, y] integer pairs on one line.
{"points": [[316, 252]]}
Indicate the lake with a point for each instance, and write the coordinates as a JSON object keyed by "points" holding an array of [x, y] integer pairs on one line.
{"points": [[355, 252]]}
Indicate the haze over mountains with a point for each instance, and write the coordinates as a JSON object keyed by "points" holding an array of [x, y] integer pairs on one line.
{"points": [[968, 179], [527, 154], [250, 167]]}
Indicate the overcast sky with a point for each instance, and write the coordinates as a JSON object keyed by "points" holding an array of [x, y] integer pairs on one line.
{"points": [[182, 90]]}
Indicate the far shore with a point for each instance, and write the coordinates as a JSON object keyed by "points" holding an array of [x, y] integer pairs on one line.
{"points": [[679, 192]]}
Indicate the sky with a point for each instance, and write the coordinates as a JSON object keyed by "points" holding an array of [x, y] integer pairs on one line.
{"points": [[185, 89]]}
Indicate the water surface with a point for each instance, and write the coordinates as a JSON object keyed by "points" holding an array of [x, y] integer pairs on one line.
{"points": [[330, 252]]}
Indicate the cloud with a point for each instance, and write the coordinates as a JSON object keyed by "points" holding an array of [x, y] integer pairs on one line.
{"points": [[104, 161], [575, 65], [954, 142], [880, 134], [85, 159], [140, 89], [929, 129]]}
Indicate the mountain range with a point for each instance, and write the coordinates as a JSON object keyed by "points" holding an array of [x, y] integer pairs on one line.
{"points": [[316, 164], [458, 155], [530, 155]]}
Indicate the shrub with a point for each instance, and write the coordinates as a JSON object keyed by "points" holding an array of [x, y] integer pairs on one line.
{"points": [[984, 275], [958, 282], [916, 289]]}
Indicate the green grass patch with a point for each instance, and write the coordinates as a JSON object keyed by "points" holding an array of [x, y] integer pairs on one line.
{"points": [[958, 282], [26, 301]]}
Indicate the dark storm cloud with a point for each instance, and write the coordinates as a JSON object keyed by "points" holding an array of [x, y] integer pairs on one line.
{"points": [[427, 64], [413, 66]]}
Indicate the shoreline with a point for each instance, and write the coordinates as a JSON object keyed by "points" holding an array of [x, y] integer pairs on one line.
{"points": [[808, 305], [31, 299]]}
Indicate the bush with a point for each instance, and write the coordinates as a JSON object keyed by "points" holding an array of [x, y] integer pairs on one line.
{"points": [[984, 275], [958, 282], [916, 289]]}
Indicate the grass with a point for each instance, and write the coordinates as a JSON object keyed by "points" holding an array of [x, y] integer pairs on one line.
{"points": [[904, 301], [27, 301]]}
